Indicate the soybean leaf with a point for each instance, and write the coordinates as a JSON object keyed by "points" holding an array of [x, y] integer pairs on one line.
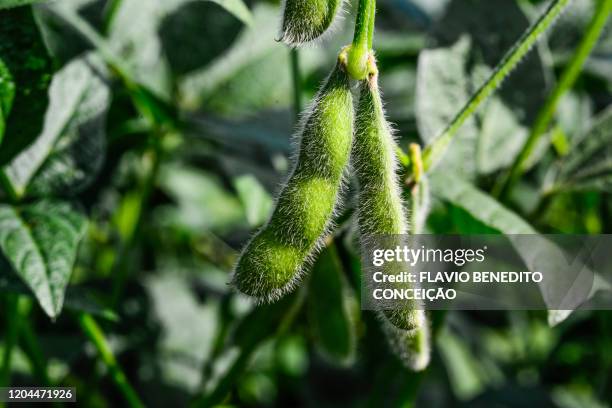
{"points": [[255, 200], [25, 57], [203, 204], [6, 4], [442, 87], [237, 8], [70, 150], [40, 241], [589, 164], [188, 329], [133, 35], [538, 254], [77, 299], [329, 313], [246, 77], [480, 205], [145, 34]]}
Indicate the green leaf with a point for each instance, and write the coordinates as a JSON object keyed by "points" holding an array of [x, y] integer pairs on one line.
{"points": [[237, 8], [181, 352], [480, 205], [202, 202], [442, 87], [24, 55], [146, 34], [78, 299], [255, 199], [246, 77], [70, 150], [40, 241], [589, 164], [6, 4], [329, 309], [538, 255]]}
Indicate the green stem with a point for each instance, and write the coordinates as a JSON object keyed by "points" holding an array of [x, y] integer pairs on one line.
{"points": [[371, 23], [297, 81], [10, 338], [34, 352], [567, 80], [121, 266], [437, 148], [99, 42], [357, 63], [96, 336], [110, 12], [8, 187]]}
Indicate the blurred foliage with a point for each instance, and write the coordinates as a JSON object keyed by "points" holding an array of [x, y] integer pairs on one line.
{"points": [[168, 128]]}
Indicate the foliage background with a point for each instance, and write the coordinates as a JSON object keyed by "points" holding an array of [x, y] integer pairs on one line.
{"points": [[167, 131]]}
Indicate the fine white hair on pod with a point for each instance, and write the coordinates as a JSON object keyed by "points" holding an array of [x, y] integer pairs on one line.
{"points": [[380, 209], [309, 21], [278, 255]]}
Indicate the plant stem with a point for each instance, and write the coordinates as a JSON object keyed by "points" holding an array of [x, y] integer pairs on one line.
{"points": [[567, 80], [10, 338], [357, 66], [362, 23], [96, 336], [35, 354], [437, 148], [8, 187], [297, 81], [371, 24], [110, 12], [152, 161]]}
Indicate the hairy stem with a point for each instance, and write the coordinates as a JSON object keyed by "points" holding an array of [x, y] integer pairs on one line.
{"points": [[437, 148], [567, 80], [95, 334]]}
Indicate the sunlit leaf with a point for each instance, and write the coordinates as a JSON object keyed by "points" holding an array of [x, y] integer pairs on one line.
{"points": [[40, 241], [545, 256], [70, 149]]}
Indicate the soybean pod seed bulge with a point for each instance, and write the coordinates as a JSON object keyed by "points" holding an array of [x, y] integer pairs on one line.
{"points": [[273, 261]]}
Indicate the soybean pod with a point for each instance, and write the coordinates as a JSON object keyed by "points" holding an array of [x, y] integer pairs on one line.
{"points": [[275, 258], [380, 210], [307, 20]]}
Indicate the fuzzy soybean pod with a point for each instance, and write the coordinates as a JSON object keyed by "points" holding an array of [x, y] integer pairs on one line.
{"points": [[380, 208], [307, 20], [413, 347], [275, 258]]}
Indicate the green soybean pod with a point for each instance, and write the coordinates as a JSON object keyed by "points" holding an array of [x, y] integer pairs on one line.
{"points": [[307, 20], [380, 210], [275, 258], [413, 347]]}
